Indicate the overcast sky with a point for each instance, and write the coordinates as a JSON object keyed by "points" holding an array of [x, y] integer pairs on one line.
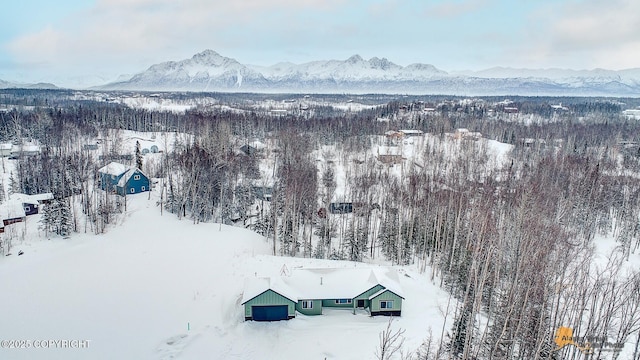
{"points": [[65, 41]]}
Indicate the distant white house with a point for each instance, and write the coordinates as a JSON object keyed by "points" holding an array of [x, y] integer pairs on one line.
{"points": [[411, 132], [12, 212], [31, 203], [24, 150], [5, 149], [559, 107], [465, 134]]}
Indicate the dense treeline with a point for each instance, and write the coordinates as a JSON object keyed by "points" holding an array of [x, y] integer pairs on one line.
{"points": [[512, 243]]}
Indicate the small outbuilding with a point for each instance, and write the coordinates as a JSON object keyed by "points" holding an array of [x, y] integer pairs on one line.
{"points": [[341, 208], [12, 212], [30, 204], [5, 149]]}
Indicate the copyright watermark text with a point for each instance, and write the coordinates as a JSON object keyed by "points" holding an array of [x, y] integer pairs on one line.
{"points": [[45, 344]]}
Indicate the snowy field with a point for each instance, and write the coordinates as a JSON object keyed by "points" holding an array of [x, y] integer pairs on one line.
{"points": [[155, 287]]}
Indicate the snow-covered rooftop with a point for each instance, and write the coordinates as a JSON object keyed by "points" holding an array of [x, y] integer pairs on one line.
{"points": [[324, 283], [42, 197], [11, 209], [123, 180], [341, 283], [411, 132], [114, 168], [23, 198], [256, 286]]}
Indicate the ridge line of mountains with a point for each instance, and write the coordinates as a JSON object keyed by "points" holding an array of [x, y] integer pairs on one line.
{"points": [[209, 71]]}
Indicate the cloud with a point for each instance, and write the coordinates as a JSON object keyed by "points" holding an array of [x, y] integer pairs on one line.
{"points": [[594, 33], [139, 31], [598, 23]]}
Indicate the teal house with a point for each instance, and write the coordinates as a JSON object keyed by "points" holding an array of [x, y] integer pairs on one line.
{"points": [[310, 291], [121, 179]]}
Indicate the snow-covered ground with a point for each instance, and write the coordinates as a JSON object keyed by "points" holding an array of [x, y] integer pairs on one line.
{"points": [[155, 287]]}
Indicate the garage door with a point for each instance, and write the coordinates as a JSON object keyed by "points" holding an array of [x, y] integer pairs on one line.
{"points": [[270, 313]]}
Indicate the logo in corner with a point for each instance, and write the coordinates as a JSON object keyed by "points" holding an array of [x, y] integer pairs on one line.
{"points": [[564, 337]]}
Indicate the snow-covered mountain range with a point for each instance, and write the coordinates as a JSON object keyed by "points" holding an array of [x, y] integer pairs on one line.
{"points": [[16, 85], [210, 71]]}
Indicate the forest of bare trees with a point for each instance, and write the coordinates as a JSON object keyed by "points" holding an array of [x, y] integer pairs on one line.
{"points": [[514, 245]]}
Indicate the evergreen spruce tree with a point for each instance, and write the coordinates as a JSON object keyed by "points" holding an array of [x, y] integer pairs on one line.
{"points": [[65, 220], [14, 185], [2, 194], [350, 243], [388, 235], [285, 233], [244, 198], [356, 240], [138, 156], [458, 340], [171, 204], [46, 220]]}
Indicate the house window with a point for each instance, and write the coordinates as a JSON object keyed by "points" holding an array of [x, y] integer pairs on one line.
{"points": [[343, 301], [307, 304], [133, 190], [386, 304], [142, 188], [136, 177]]}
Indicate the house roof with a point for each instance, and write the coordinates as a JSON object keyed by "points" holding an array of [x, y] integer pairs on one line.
{"points": [[373, 296], [254, 287], [114, 168], [412, 132], [118, 169], [326, 283], [43, 196], [11, 209], [24, 198], [25, 148], [127, 175]]}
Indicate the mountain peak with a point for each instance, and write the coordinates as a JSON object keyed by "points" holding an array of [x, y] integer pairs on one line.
{"points": [[383, 63], [206, 54], [355, 59], [210, 57]]}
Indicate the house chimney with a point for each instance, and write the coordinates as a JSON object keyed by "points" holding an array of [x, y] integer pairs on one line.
{"points": [[320, 280]]}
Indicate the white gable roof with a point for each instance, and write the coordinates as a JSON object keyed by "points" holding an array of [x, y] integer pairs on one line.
{"points": [[12, 209], [123, 180], [340, 283], [43, 196], [256, 286], [382, 292], [327, 283], [412, 132], [23, 198], [114, 168]]}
